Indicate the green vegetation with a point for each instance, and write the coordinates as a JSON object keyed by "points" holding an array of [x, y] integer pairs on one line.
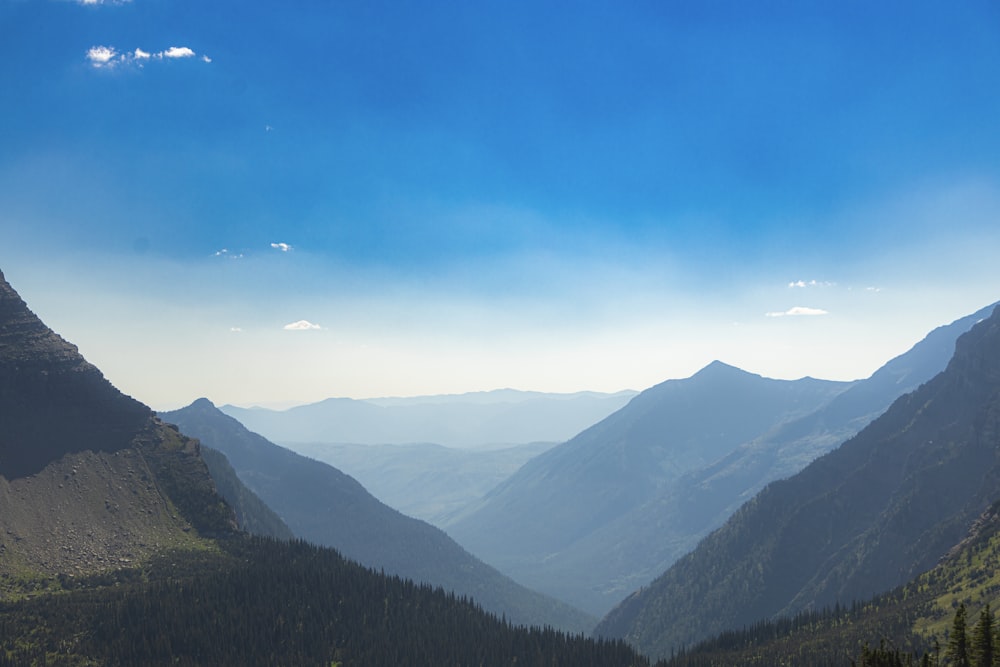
{"points": [[943, 617], [264, 602]]}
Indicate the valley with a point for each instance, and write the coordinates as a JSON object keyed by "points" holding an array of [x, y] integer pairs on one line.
{"points": [[645, 507]]}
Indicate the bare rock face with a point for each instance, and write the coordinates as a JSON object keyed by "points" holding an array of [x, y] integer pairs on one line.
{"points": [[90, 479], [52, 401]]}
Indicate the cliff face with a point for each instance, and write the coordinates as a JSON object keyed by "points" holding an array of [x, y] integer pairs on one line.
{"points": [[52, 401], [89, 478]]}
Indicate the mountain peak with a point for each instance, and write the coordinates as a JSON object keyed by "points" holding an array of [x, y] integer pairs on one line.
{"points": [[719, 369], [52, 401], [717, 366]]}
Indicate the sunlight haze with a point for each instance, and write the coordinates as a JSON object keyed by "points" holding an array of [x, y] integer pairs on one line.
{"points": [[368, 199]]}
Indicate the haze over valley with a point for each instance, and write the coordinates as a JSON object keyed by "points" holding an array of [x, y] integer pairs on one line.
{"points": [[646, 334]]}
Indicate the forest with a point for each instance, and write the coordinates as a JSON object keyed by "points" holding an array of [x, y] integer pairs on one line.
{"points": [[259, 601]]}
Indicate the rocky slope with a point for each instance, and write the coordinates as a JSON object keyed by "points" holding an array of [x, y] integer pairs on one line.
{"points": [[89, 478]]}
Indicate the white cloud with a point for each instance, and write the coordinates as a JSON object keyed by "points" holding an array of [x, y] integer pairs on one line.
{"points": [[176, 52], [101, 56], [301, 325], [797, 310], [102, 2], [225, 252], [811, 283], [283, 247], [236, 329], [108, 56]]}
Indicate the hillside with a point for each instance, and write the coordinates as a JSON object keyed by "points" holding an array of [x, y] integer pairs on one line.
{"points": [[573, 490], [254, 602], [115, 549], [324, 506], [252, 515], [637, 547], [913, 621], [89, 478], [864, 518], [425, 481]]}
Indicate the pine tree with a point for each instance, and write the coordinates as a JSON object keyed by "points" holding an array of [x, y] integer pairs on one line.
{"points": [[982, 639], [958, 649]]}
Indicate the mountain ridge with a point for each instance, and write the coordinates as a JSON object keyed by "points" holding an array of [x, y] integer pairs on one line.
{"points": [[324, 506], [463, 421], [863, 518], [90, 479]]}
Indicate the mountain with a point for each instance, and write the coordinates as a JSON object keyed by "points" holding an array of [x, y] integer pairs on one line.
{"points": [[912, 624], [324, 506], [632, 550], [566, 494], [464, 421], [89, 478], [252, 515], [425, 481], [115, 549], [868, 516]]}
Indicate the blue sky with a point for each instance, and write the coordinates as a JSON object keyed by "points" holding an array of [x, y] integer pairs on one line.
{"points": [[548, 196]]}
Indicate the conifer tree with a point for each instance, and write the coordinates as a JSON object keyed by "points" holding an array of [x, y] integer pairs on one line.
{"points": [[982, 639], [958, 649]]}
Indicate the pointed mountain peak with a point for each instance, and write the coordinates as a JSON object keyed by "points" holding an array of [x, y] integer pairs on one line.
{"points": [[720, 369], [52, 401]]}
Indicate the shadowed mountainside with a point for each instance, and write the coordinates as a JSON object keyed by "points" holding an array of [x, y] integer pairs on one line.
{"points": [[866, 517], [89, 478], [635, 548], [566, 494], [323, 505]]}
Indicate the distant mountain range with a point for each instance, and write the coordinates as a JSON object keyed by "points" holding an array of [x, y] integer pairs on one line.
{"points": [[324, 506], [606, 512], [475, 420], [116, 549], [868, 516], [425, 481]]}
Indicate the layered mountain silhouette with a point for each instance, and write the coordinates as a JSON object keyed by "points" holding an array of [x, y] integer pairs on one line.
{"points": [[324, 506], [425, 481], [560, 497], [622, 501], [473, 420], [115, 549], [252, 514], [89, 478], [868, 516]]}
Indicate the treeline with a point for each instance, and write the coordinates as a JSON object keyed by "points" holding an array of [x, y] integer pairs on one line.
{"points": [[834, 636], [263, 602]]}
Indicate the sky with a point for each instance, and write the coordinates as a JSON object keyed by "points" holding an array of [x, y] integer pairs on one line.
{"points": [[276, 203]]}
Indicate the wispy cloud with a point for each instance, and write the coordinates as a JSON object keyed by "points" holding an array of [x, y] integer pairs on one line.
{"points": [[225, 252], [236, 329], [107, 57], [283, 247], [102, 2], [811, 283], [797, 311], [301, 325]]}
